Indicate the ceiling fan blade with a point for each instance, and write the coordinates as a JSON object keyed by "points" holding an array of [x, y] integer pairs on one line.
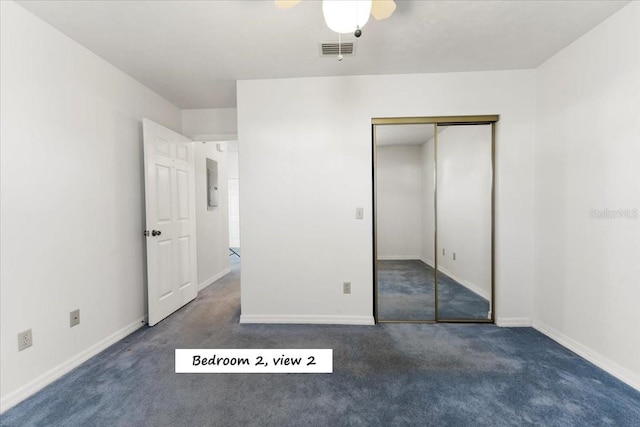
{"points": [[286, 4], [382, 9]]}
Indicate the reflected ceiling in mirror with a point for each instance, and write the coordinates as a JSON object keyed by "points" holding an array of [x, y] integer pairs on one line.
{"points": [[418, 134]]}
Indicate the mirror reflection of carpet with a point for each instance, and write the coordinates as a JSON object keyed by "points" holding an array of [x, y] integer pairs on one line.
{"points": [[406, 292]]}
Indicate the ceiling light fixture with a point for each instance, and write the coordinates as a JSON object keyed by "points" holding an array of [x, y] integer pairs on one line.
{"points": [[348, 16], [345, 16]]}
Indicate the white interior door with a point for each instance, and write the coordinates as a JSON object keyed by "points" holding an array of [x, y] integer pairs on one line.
{"points": [[171, 220]]}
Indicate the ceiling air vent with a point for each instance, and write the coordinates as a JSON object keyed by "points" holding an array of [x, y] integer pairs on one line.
{"points": [[332, 49]]}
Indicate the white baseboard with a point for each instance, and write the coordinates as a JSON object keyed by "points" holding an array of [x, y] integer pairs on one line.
{"points": [[513, 322], [307, 319], [471, 286], [585, 352], [47, 378], [213, 279], [398, 257]]}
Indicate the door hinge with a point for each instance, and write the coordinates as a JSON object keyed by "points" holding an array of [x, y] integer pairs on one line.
{"points": [[146, 233]]}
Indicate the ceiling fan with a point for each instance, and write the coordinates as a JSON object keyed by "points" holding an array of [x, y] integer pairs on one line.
{"points": [[348, 16]]}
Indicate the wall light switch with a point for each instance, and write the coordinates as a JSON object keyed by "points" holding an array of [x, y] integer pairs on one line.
{"points": [[74, 318], [346, 288], [359, 213]]}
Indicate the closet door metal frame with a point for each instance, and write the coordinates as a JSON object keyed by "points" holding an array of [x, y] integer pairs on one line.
{"points": [[442, 121]]}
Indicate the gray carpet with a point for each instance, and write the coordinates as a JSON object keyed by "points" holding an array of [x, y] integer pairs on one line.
{"points": [[384, 375], [406, 292]]}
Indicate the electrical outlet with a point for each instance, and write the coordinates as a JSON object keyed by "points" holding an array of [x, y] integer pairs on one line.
{"points": [[74, 318], [346, 287], [25, 340]]}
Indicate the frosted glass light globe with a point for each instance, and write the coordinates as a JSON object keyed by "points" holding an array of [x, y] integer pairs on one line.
{"points": [[344, 16]]}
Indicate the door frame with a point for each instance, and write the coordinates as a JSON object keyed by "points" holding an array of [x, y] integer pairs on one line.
{"points": [[442, 121]]}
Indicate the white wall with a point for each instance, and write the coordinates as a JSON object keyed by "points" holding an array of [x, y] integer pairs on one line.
{"points": [[587, 157], [399, 202], [464, 206], [306, 165], [212, 225], [71, 201]]}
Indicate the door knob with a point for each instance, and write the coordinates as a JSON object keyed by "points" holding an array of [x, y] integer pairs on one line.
{"points": [[156, 232]]}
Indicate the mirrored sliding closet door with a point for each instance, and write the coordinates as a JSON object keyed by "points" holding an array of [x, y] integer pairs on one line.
{"points": [[405, 219], [433, 222], [463, 201]]}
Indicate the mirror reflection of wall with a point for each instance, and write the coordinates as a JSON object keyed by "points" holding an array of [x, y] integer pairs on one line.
{"points": [[399, 202]]}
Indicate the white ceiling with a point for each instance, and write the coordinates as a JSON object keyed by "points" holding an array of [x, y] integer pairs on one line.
{"points": [[192, 52]]}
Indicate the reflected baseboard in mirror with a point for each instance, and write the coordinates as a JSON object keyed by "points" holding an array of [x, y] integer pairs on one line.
{"points": [[457, 301]]}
